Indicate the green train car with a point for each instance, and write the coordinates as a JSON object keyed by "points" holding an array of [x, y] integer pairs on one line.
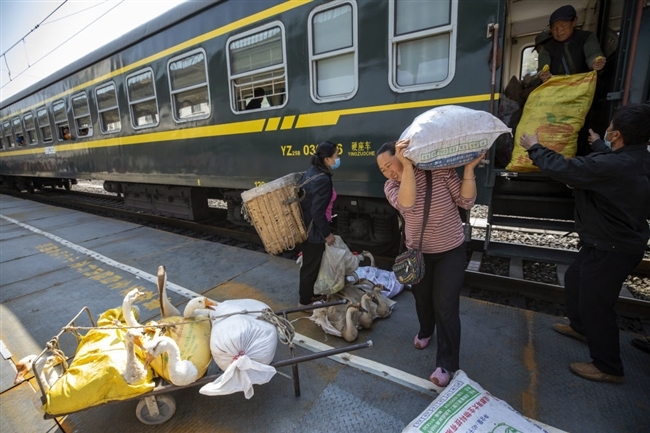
{"points": [[216, 97]]}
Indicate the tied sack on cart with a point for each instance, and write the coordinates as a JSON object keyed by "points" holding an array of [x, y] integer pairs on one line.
{"points": [[95, 376], [450, 136], [243, 344]]}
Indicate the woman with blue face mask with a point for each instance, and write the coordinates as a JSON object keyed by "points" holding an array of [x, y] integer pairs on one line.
{"points": [[317, 205]]}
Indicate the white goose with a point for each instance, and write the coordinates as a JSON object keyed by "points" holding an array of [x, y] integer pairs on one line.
{"points": [[200, 306], [180, 372], [134, 372], [45, 365], [368, 310], [167, 309], [127, 305]]}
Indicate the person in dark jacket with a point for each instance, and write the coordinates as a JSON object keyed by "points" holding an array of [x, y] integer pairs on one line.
{"points": [[318, 198], [570, 51], [612, 205]]}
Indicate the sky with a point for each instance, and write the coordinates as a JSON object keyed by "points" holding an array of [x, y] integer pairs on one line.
{"points": [[29, 61]]}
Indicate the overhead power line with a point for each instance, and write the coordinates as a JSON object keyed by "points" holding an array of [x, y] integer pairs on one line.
{"points": [[62, 43]]}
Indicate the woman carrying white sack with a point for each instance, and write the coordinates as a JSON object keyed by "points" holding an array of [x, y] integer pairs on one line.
{"points": [[437, 295]]}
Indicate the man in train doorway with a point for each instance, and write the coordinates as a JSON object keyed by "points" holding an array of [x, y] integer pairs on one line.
{"points": [[612, 205], [570, 51]]}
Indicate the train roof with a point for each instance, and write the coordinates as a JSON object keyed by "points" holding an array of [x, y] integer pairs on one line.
{"points": [[169, 18]]}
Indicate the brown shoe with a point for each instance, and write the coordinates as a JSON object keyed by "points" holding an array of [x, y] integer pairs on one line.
{"points": [[589, 371], [569, 331]]}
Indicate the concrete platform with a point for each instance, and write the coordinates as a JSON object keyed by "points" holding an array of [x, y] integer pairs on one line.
{"points": [[55, 261]]}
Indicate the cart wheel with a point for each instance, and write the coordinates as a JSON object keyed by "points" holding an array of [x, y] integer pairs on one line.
{"points": [[166, 408]]}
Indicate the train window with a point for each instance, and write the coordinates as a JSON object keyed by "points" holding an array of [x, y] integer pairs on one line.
{"points": [[18, 132], [141, 93], [44, 124], [81, 115], [257, 69], [188, 85], [422, 48], [528, 62], [30, 128], [7, 141], [332, 51], [107, 109], [61, 120]]}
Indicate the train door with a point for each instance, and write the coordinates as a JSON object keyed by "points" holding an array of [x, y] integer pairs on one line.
{"points": [[531, 199]]}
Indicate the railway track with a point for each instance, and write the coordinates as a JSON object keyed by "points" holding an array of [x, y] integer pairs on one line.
{"points": [[217, 229]]}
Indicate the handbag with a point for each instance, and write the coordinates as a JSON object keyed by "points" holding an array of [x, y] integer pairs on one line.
{"points": [[409, 265]]}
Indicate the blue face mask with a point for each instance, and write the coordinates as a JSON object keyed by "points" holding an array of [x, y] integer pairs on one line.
{"points": [[337, 164], [607, 143]]}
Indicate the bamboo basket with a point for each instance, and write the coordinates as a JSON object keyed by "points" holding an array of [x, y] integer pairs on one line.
{"points": [[274, 210]]}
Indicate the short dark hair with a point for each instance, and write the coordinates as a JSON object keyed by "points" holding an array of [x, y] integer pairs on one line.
{"points": [[324, 150], [389, 146], [633, 123], [258, 91]]}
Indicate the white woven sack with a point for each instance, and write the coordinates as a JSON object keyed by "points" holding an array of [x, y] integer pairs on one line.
{"points": [[465, 407], [242, 346], [450, 136]]}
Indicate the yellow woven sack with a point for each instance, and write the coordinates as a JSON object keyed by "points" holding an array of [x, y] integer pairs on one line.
{"points": [[193, 341], [95, 375], [556, 111]]}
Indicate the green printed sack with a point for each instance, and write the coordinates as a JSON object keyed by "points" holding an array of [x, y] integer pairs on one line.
{"points": [[466, 407]]}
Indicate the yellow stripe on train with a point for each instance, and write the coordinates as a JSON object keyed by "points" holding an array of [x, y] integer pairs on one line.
{"points": [[311, 120]]}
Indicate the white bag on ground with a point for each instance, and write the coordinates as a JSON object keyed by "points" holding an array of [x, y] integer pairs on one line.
{"points": [[450, 136], [242, 346], [465, 407], [338, 261], [381, 276]]}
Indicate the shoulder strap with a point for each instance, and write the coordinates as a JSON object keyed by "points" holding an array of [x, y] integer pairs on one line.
{"points": [[310, 179], [427, 205]]}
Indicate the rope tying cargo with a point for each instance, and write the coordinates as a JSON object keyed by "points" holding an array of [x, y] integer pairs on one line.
{"points": [[286, 331]]}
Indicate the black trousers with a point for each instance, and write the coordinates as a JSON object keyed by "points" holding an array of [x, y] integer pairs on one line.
{"points": [[312, 254], [592, 285], [437, 302]]}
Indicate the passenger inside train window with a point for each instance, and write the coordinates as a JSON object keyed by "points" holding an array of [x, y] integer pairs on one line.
{"points": [[20, 141], [65, 133], [185, 110], [256, 102], [83, 132], [570, 51]]}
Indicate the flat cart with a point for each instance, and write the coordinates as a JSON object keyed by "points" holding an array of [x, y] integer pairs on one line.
{"points": [[158, 405]]}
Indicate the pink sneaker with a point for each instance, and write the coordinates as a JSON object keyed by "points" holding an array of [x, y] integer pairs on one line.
{"points": [[440, 377], [420, 343]]}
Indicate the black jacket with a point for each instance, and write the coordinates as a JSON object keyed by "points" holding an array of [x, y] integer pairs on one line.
{"points": [[612, 193], [318, 193]]}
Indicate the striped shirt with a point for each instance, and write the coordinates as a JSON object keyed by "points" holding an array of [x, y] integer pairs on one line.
{"points": [[444, 229]]}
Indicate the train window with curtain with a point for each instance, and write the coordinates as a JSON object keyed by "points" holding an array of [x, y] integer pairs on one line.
{"points": [[422, 45], [30, 128], [44, 124], [61, 120], [108, 110], [333, 51], [7, 140], [188, 85], [257, 69], [18, 132], [141, 93], [81, 115]]}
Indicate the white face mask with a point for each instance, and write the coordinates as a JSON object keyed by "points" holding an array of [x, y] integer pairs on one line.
{"points": [[607, 143]]}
